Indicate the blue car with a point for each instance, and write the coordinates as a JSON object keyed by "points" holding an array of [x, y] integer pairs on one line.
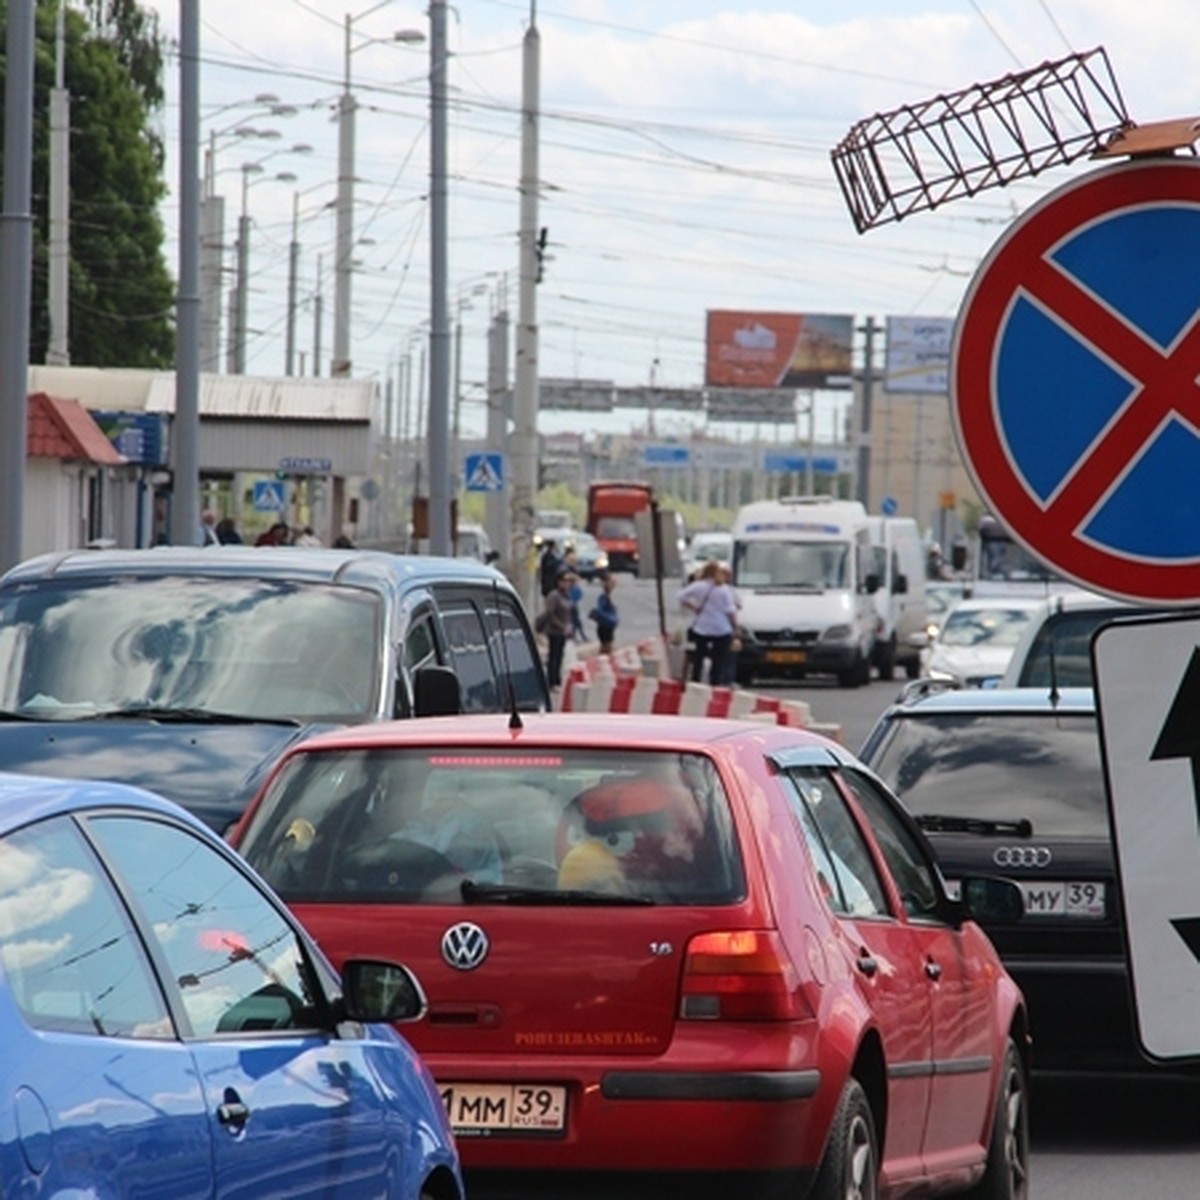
{"points": [[170, 1032]]}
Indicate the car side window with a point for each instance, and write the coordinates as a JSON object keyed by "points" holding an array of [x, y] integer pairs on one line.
{"points": [[69, 949], [239, 966], [845, 867], [469, 655], [513, 652], [420, 642], [910, 866]]}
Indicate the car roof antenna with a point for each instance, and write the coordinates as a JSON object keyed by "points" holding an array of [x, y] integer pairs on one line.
{"points": [[514, 713]]}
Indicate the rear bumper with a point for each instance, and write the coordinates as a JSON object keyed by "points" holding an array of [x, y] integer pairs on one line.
{"points": [[649, 1121]]}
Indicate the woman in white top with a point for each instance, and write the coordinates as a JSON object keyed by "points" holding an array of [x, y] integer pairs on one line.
{"points": [[714, 605]]}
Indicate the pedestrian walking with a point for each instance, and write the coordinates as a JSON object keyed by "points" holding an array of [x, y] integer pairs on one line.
{"points": [[714, 605], [604, 613], [558, 625]]}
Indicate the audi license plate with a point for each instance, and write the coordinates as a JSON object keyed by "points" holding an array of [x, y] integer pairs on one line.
{"points": [[789, 658], [1075, 898], [516, 1110]]}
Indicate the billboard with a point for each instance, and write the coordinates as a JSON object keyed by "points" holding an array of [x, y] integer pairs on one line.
{"points": [[918, 354], [778, 350]]}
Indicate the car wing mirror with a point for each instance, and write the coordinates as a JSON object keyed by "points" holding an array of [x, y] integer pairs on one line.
{"points": [[374, 991], [991, 900], [900, 585], [436, 692]]}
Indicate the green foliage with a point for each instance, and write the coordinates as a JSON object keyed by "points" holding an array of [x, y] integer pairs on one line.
{"points": [[122, 295]]}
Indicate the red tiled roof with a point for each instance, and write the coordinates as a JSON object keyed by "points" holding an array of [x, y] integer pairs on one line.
{"points": [[60, 428]]}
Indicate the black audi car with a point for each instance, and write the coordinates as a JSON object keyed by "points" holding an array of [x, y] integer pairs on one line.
{"points": [[1010, 780]]}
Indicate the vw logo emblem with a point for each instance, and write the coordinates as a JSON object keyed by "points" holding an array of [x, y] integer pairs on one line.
{"points": [[1022, 856], [465, 946]]}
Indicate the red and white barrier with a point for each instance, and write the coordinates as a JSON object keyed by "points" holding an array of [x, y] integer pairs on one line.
{"points": [[635, 679]]}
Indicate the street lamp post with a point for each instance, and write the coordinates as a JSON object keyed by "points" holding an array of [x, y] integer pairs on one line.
{"points": [[340, 364], [439, 320], [238, 324], [212, 213]]}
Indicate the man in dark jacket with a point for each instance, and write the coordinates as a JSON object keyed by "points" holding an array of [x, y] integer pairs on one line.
{"points": [[549, 566]]}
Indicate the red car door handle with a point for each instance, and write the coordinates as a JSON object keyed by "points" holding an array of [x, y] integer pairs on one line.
{"points": [[866, 964]]}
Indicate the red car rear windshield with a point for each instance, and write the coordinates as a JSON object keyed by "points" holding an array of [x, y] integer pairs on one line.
{"points": [[413, 825]]}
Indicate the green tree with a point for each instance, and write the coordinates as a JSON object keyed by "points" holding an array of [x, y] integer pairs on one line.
{"points": [[122, 294]]}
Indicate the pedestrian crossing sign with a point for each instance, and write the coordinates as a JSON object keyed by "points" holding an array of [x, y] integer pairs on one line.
{"points": [[269, 495], [485, 472]]}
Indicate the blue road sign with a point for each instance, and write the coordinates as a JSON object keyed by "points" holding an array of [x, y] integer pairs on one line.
{"points": [[822, 464], [1074, 380], [269, 495], [666, 456], [889, 506], [485, 472]]}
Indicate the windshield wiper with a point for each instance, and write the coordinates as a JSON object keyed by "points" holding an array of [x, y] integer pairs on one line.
{"points": [[505, 893], [981, 826], [183, 715]]}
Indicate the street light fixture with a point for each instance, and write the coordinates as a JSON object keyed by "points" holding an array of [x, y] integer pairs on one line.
{"points": [[343, 266]]}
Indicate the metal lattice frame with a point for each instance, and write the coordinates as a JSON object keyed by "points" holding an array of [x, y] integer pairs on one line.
{"points": [[917, 157]]}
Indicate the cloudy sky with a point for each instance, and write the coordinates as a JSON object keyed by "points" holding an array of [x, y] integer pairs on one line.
{"points": [[684, 159]]}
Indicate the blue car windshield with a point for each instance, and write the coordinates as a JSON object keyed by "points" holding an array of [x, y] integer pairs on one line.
{"points": [[263, 648]]}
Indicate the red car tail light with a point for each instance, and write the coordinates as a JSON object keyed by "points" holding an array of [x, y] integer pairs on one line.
{"points": [[741, 975]]}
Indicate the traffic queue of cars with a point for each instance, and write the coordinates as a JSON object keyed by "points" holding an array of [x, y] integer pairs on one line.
{"points": [[779, 988], [812, 969]]}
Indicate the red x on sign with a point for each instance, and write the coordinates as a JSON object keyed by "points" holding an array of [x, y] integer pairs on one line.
{"points": [[1074, 380]]}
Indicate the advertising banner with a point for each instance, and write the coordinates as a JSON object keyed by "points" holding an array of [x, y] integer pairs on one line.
{"points": [[918, 354], [778, 350]]}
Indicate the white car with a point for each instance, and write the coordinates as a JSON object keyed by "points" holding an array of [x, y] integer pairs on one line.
{"points": [[977, 638], [703, 548], [1055, 647]]}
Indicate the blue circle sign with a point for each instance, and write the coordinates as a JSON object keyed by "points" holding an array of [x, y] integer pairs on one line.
{"points": [[888, 506], [1075, 380]]}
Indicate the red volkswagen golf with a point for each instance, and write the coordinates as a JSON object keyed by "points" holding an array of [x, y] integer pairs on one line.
{"points": [[680, 953]]}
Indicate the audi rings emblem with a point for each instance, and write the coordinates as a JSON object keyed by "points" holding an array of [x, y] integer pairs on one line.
{"points": [[465, 946], [1022, 856]]}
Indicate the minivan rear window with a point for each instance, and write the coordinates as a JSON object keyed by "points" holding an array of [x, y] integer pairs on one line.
{"points": [[1042, 768], [415, 825]]}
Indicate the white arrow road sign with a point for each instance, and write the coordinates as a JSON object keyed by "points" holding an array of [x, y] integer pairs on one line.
{"points": [[1147, 673]]}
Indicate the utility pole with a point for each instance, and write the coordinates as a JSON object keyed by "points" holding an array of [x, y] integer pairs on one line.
{"points": [[318, 305], [16, 274], [58, 249], [339, 366], [185, 427], [863, 491], [495, 515], [525, 401], [289, 361], [439, 313]]}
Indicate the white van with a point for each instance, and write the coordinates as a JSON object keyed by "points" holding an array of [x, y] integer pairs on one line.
{"points": [[900, 605], [802, 569]]}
